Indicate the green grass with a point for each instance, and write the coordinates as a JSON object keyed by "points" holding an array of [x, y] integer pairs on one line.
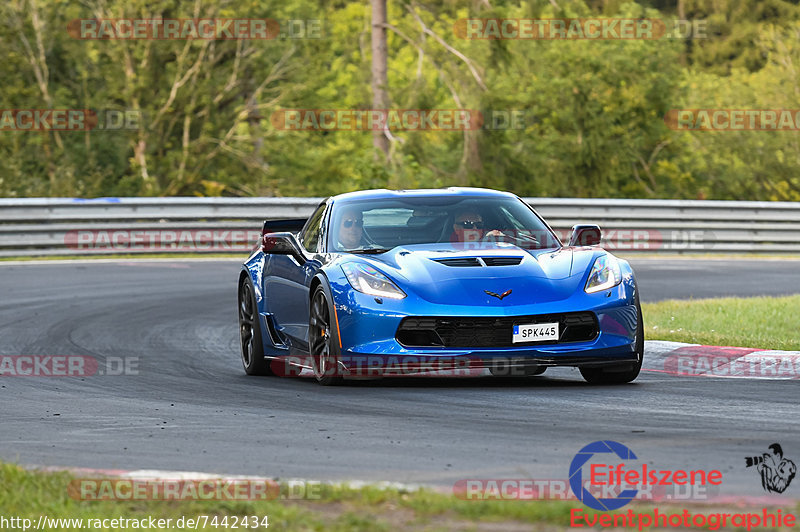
{"points": [[29, 494], [760, 322]]}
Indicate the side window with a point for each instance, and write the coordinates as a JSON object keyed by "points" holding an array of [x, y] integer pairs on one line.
{"points": [[310, 235]]}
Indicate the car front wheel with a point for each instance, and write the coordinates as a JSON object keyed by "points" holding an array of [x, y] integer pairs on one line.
{"points": [[250, 333], [323, 339], [622, 373]]}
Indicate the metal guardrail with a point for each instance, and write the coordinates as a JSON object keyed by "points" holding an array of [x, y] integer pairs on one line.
{"points": [[62, 226]]}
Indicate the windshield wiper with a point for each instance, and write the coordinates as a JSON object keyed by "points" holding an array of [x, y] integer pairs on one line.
{"points": [[370, 251]]}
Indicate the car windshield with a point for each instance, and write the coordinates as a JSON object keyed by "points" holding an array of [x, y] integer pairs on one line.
{"points": [[378, 225]]}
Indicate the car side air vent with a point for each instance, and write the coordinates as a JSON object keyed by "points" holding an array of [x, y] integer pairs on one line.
{"points": [[501, 261], [462, 262]]}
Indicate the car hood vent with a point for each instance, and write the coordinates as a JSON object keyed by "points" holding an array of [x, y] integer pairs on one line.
{"points": [[460, 262], [466, 262], [501, 261]]}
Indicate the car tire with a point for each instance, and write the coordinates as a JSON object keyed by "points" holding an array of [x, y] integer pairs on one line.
{"points": [[250, 340], [323, 338], [622, 373]]}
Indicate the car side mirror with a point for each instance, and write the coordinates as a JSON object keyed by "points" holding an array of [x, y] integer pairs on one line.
{"points": [[291, 225], [585, 235], [282, 244]]}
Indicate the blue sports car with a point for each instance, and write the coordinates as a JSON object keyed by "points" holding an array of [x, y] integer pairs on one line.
{"points": [[452, 281]]}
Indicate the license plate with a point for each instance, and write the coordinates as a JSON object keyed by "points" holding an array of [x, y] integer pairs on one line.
{"points": [[535, 332]]}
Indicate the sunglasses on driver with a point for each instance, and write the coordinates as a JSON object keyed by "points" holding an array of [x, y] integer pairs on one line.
{"points": [[349, 223], [469, 224]]}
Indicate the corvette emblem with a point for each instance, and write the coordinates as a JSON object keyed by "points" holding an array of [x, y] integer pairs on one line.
{"points": [[498, 296]]}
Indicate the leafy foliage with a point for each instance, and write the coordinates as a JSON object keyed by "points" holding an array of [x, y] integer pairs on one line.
{"points": [[592, 111]]}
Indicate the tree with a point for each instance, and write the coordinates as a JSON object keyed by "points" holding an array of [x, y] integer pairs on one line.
{"points": [[380, 80]]}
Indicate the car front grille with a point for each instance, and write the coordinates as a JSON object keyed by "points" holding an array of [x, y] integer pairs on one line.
{"points": [[473, 332]]}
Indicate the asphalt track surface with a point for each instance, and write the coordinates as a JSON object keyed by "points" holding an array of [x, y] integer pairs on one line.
{"points": [[190, 407]]}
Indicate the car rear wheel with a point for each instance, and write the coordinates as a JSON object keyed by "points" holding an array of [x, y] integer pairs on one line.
{"points": [[622, 373], [323, 339], [250, 340]]}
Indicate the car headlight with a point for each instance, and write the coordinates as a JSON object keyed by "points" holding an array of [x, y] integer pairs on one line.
{"points": [[370, 281], [605, 274]]}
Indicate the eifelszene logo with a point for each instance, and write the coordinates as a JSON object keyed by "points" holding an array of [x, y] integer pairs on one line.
{"points": [[620, 483], [776, 471], [576, 475]]}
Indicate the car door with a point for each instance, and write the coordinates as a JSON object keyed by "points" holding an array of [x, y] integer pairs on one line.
{"points": [[286, 282]]}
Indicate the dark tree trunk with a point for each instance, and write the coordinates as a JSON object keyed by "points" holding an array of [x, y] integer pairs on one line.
{"points": [[380, 98]]}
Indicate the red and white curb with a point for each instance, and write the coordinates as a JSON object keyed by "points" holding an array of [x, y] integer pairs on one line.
{"points": [[694, 360]]}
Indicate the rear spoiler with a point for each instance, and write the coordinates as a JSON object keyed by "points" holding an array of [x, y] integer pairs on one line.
{"points": [[291, 225]]}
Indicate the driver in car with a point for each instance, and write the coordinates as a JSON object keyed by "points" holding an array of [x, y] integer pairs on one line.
{"points": [[350, 233], [468, 227]]}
